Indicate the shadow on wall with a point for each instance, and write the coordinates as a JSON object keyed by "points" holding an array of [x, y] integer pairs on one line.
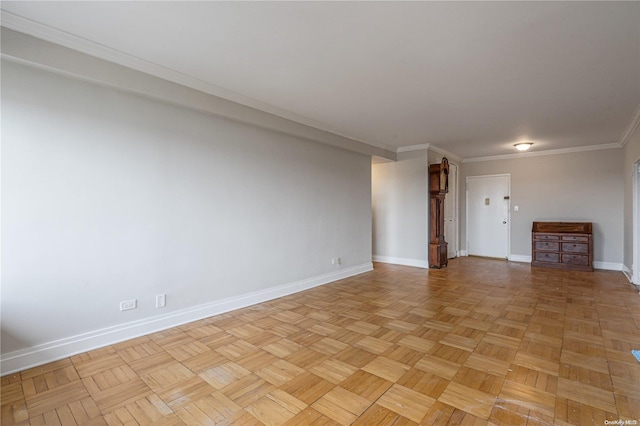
{"points": [[598, 238], [8, 340]]}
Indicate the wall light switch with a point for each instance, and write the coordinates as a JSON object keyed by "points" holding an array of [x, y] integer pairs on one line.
{"points": [[161, 301], [516, 208]]}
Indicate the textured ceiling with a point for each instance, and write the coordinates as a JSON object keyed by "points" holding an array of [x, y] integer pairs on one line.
{"points": [[472, 78]]}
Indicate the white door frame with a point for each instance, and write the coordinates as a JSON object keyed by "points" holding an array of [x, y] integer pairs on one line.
{"points": [[456, 216], [635, 258], [466, 206]]}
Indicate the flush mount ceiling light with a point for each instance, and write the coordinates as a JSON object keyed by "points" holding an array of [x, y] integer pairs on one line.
{"points": [[523, 146]]}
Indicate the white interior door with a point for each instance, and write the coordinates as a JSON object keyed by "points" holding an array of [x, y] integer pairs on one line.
{"points": [[451, 213], [488, 216]]}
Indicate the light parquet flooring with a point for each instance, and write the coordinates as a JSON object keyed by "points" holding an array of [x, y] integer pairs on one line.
{"points": [[480, 342]]}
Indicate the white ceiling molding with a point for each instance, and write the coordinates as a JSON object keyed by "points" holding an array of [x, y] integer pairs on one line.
{"points": [[62, 38], [36, 52], [542, 153], [71, 41], [631, 128], [428, 146], [413, 147], [449, 155]]}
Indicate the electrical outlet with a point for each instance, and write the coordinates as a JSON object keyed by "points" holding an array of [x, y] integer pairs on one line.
{"points": [[161, 300], [128, 304], [336, 261]]}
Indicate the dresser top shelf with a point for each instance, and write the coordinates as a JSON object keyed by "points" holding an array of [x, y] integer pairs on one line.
{"points": [[563, 227]]}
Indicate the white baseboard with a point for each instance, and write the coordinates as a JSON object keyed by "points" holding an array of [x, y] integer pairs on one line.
{"points": [[627, 273], [519, 258], [63, 348], [610, 266], [401, 261]]}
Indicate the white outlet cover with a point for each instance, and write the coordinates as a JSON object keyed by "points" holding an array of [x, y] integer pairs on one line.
{"points": [[125, 305]]}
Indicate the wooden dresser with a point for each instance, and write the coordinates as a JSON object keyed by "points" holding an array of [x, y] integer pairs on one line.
{"points": [[562, 245]]}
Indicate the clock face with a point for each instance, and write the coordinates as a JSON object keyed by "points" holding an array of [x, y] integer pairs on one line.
{"points": [[439, 177], [444, 175]]}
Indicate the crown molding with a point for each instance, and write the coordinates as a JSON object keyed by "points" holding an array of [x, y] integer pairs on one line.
{"points": [[542, 153], [631, 128], [63, 38], [428, 146], [413, 147], [448, 154], [37, 53], [635, 123]]}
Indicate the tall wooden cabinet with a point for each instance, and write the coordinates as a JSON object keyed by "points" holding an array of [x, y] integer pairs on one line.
{"points": [[562, 245], [438, 187]]}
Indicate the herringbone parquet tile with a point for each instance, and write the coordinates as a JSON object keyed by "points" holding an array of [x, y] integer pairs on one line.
{"points": [[483, 342]]}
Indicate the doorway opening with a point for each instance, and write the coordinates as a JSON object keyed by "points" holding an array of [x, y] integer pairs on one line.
{"points": [[451, 227], [635, 265]]}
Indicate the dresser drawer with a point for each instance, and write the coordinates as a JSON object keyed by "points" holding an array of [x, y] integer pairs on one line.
{"points": [[575, 238], [547, 257], [575, 259], [575, 248], [547, 245], [542, 237]]}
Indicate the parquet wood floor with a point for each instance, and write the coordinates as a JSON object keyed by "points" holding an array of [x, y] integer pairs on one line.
{"points": [[481, 342]]}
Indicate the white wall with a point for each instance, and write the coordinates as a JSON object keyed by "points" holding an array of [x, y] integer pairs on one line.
{"points": [[581, 186], [399, 203], [631, 156], [108, 196]]}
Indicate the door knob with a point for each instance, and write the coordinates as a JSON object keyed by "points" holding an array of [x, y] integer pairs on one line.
{"points": [[504, 222]]}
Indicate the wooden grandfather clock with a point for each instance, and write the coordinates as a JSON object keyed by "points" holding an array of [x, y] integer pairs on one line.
{"points": [[438, 187]]}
